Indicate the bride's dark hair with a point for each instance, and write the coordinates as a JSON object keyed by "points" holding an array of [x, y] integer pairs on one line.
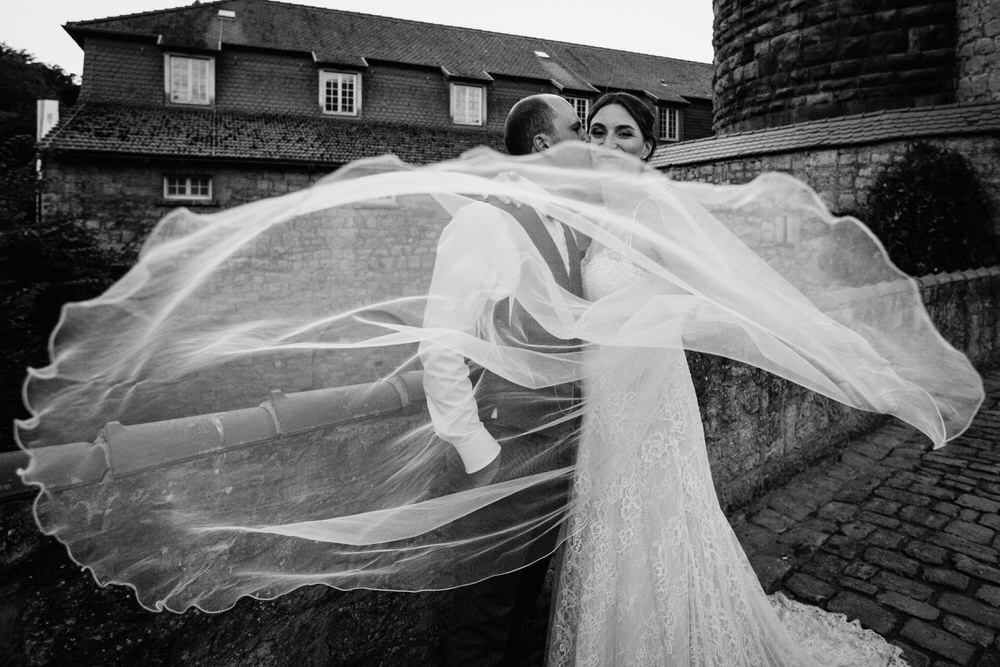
{"points": [[640, 112]]}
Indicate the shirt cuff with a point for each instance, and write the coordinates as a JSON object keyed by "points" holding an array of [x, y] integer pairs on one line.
{"points": [[477, 451]]}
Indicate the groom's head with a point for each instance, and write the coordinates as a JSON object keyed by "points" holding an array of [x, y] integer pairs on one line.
{"points": [[539, 122]]}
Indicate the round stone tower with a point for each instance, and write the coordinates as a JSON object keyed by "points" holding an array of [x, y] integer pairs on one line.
{"points": [[785, 61], [978, 51]]}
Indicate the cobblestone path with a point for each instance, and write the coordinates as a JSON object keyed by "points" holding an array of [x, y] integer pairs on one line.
{"points": [[903, 538]]}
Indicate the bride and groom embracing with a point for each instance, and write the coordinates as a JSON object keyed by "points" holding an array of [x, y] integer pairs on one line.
{"points": [[651, 572], [569, 279]]}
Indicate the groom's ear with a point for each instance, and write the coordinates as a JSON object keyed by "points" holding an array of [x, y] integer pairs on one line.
{"points": [[539, 143]]}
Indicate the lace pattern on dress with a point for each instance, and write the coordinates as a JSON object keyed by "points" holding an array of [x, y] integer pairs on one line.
{"points": [[652, 573]]}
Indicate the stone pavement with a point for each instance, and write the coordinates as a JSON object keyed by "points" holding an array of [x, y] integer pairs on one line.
{"points": [[903, 538]]}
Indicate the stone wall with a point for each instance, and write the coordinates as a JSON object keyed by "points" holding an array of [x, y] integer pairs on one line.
{"points": [[843, 176], [123, 199], [785, 61], [760, 428], [978, 51]]}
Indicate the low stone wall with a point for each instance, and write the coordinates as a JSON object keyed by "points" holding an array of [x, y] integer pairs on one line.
{"points": [[760, 428]]}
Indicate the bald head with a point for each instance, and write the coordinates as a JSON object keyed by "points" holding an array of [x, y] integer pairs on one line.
{"points": [[538, 122]]}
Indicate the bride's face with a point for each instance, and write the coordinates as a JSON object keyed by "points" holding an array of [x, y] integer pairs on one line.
{"points": [[614, 128]]}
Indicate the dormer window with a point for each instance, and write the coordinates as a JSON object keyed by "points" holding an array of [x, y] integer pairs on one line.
{"points": [[189, 79], [340, 93], [468, 104], [670, 124], [582, 107]]}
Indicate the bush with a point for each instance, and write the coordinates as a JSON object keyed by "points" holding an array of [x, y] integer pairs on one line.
{"points": [[932, 214]]}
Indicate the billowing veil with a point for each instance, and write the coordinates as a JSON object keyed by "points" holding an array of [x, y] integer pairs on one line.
{"points": [[328, 287]]}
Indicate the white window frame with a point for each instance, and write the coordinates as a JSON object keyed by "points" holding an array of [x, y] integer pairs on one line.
{"points": [[187, 91], [468, 104], [582, 107], [669, 121], [188, 187], [348, 87]]}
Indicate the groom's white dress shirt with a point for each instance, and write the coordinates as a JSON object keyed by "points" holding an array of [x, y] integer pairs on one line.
{"points": [[481, 235]]}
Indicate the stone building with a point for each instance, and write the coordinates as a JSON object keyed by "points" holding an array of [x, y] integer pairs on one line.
{"points": [[216, 104], [833, 91]]}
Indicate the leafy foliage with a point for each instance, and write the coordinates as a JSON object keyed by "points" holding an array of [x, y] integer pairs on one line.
{"points": [[42, 264], [932, 213]]}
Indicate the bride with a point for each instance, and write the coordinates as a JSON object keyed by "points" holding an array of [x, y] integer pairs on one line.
{"points": [[223, 308], [652, 573]]}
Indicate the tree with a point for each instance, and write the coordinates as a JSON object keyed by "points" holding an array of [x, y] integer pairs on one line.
{"points": [[23, 81], [42, 265]]}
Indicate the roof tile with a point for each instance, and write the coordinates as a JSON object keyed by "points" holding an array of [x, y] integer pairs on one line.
{"points": [[148, 131], [349, 38], [865, 128]]}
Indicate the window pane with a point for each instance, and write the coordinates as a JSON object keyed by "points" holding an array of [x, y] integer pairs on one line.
{"points": [[179, 80], [340, 92], [187, 187], [330, 96], [199, 81], [581, 105], [189, 80], [467, 104]]}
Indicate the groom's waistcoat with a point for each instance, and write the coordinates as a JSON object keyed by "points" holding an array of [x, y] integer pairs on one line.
{"points": [[502, 401]]}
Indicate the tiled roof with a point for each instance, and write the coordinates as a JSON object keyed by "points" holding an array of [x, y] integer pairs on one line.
{"points": [[188, 133], [350, 38], [866, 128]]}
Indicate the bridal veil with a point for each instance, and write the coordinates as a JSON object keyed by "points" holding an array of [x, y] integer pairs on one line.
{"points": [[223, 309]]}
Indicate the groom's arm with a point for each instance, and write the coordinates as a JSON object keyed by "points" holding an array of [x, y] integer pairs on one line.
{"points": [[475, 265]]}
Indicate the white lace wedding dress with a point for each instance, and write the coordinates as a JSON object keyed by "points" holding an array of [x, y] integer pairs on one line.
{"points": [[652, 573]]}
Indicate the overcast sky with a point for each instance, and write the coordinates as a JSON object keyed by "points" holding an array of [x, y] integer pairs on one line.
{"points": [[673, 28]]}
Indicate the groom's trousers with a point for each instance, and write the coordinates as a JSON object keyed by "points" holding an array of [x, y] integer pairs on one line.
{"points": [[486, 620]]}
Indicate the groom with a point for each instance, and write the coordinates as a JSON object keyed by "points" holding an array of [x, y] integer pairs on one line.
{"points": [[486, 618]]}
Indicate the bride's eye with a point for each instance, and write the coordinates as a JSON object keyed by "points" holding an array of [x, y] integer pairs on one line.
{"points": [[597, 131]]}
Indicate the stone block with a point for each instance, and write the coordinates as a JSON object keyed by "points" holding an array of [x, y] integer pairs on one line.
{"points": [[926, 553], [773, 521], [859, 585], [770, 570], [908, 605], [969, 631], [989, 594], [878, 519], [871, 614], [802, 540], [903, 497], [939, 641], [843, 546], [806, 587], [838, 511], [963, 547], [914, 589], [924, 517], [892, 561], [978, 503], [861, 570], [887, 539], [912, 656], [974, 610], [945, 577], [972, 532]]}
